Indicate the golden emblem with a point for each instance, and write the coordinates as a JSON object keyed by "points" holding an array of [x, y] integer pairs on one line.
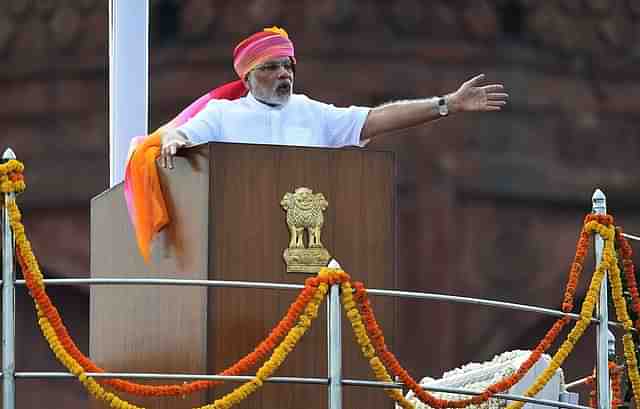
{"points": [[304, 213]]}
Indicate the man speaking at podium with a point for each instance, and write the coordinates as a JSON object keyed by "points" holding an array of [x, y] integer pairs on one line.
{"points": [[261, 107]]}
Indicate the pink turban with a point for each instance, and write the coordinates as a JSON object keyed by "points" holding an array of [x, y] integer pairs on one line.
{"points": [[260, 47]]}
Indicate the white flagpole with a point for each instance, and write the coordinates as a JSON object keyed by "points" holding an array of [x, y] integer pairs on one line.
{"points": [[128, 79]]}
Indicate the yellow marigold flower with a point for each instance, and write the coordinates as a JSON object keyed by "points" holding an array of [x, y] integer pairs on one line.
{"points": [[347, 300], [349, 305], [305, 321], [353, 314], [368, 351]]}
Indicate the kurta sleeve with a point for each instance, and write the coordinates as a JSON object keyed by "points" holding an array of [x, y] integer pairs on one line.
{"points": [[344, 125], [205, 126]]}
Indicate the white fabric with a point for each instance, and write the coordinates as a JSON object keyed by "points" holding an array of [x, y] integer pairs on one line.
{"points": [[300, 122], [479, 376]]}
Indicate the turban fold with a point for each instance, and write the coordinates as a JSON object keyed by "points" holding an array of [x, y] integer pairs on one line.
{"points": [[142, 190]]}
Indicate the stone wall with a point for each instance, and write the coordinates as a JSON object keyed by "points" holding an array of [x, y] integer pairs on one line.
{"points": [[489, 204]]}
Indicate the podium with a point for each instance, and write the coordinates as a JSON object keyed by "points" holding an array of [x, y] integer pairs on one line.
{"points": [[227, 224]]}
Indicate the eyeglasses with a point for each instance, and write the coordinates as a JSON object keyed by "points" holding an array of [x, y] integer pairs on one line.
{"points": [[275, 66]]}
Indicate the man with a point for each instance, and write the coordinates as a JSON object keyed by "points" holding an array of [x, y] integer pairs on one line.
{"points": [[262, 108]]}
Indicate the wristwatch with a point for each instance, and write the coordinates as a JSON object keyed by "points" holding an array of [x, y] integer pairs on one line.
{"points": [[443, 109]]}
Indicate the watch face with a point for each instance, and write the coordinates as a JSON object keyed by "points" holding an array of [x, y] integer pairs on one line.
{"points": [[442, 106]]}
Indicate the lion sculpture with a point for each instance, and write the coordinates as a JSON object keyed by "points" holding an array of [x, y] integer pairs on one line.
{"points": [[304, 211]]}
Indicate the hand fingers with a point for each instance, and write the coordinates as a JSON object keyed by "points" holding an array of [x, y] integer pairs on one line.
{"points": [[498, 95], [169, 148], [496, 103], [493, 87], [163, 157], [172, 148], [475, 80], [167, 153]]}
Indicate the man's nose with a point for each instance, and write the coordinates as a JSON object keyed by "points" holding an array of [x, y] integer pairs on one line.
{"points": [[284, 73]]}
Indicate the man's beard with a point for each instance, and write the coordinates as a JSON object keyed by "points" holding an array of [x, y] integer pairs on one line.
{"points": [[278, 95]]}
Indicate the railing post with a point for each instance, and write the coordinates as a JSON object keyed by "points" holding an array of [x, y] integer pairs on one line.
{"points": [[8, 303], [397, 380], [602, 341], [334, 341]]}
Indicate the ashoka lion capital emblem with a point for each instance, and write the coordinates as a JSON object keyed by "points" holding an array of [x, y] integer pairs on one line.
{"points": [[304, 213]]}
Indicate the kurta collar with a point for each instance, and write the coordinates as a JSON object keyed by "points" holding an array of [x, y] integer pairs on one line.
{"points": [[262, 106]]}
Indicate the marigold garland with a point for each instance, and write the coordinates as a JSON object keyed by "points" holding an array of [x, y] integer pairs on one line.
{"points": [[623, 316], [609, 262], [391, 362], [626, 254], [13, 169], [34, 278], [238, 394], [615, 382], [11, 177], [278, 356], [586, 312], [593, 223], [630, 347], [367, 349], [616, 385], [76, 369], [66, 351], [576, 270], [368, 334]]}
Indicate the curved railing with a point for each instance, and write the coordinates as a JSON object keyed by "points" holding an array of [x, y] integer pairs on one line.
{"points": [[334, 379]]}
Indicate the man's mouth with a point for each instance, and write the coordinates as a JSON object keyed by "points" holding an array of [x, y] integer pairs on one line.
{"points": [[283, 87]]}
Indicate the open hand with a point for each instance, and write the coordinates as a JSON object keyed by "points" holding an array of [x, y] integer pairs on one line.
{"points": [[473, 97]]}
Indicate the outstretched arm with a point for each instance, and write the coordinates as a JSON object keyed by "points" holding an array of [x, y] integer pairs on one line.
{"points": [[400, 115]]}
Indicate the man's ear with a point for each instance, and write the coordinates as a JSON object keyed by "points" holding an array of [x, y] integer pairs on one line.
{"points": [[246, 81], [293, 65]]}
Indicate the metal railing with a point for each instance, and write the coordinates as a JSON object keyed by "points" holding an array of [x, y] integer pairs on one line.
{"points": [[8, 303], [334, 380]]}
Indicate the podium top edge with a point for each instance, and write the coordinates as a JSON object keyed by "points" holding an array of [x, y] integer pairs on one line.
{"points": [[105, 192], [205, 145], [291, 147]]}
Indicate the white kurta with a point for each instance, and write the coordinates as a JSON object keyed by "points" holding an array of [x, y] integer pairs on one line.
{"points": [[300, 122]]}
